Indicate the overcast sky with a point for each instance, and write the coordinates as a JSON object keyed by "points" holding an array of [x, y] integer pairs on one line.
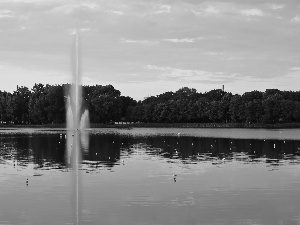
{"points": [[148, 47]]}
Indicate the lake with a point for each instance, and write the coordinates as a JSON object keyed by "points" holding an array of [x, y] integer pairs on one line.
{"points": [[151, 176]]}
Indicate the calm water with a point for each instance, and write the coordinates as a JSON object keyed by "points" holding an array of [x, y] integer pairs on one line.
{"points": [[152, 176]]}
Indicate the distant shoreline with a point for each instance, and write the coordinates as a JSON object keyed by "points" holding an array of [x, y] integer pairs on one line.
{"points": [[166, 125]]}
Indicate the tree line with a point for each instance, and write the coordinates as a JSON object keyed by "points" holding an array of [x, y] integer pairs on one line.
{"points": [[45, 104]]}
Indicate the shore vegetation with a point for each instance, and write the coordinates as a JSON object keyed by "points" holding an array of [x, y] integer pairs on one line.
{"points": [[44, 105]]}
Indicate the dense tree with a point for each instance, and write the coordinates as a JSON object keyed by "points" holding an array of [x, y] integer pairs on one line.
{"points": [[46, 104], [17, 107], [137, 112], [200, 110], [251, 96], [5, 100], [236, 109], [253, 111], [296, 112], [287, 109], [224, 105], [213, 111], [186, 93], [128, 104], [38, 103], [271, 103], [106, 104], [56, 108], [214, 95]]}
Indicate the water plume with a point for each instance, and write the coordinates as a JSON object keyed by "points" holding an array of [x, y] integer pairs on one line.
{"points": [[77, 125], [77, 118]]}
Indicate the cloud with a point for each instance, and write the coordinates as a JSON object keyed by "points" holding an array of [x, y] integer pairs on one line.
{"points": [[286, 82], [226, 9], [252, 12], [90, 5], [189, 75], [163, 9], [293, 72], [196, 39], [214, 53], [116, 12], [212, 10], [22, 76], [124, 40], [295, 69], [276, 6], [74, 31], [183, 40], [235, 58], [5, 13], [64, 9], [296, 19], [72, 7], [5, 16]]}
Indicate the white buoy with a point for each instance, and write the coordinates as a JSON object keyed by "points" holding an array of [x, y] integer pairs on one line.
{"points": [[274, 145]]}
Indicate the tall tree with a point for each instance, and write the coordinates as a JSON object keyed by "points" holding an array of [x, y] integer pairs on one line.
{"points": [[107, 104], [18, 106], [38, 103], [5, 99], [56, 109]]}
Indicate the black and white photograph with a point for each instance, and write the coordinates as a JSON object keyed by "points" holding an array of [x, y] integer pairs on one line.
{"points": [[150, 112]]}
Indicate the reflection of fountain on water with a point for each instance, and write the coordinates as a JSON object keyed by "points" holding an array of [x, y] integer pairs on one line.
{"points": [[77, 124], [84, 125]]}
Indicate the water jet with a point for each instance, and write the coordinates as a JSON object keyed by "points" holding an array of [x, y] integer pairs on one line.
{"points": [[77, 124]]}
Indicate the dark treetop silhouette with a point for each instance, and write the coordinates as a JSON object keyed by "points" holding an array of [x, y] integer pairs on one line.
{"points": [[45, 104]]}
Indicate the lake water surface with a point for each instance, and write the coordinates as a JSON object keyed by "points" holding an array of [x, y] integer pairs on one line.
{"points": [[152, 176]]}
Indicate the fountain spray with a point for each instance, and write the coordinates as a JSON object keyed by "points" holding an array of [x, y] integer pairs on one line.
{"points": [[77, 124]]}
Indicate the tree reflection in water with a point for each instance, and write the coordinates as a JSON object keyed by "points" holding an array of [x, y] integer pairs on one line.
{"points": [[46, 150]]}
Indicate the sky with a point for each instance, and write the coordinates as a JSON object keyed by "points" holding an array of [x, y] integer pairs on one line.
{"points": [[148, 47]]}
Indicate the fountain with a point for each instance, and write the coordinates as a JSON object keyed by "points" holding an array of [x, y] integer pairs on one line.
{"points": [[77, 124]]}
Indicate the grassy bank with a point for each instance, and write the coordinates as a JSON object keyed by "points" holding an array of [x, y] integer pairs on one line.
{"points": [[165, 125], [200, 125]]}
